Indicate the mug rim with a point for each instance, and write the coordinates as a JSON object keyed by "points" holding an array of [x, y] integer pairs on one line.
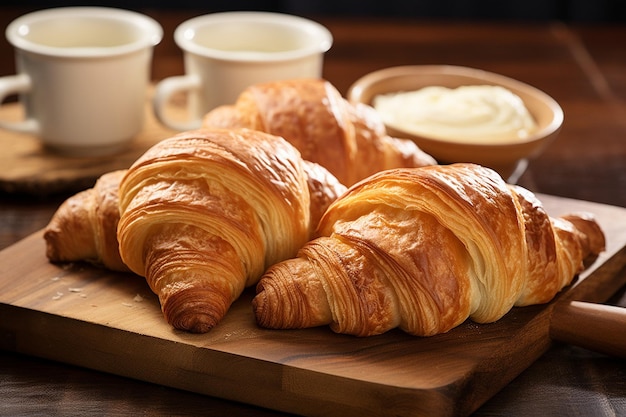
{"points": [[151, 36], [185, 31]]}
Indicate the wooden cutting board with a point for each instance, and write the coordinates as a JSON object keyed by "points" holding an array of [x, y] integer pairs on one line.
{"points": [[112, 322]]}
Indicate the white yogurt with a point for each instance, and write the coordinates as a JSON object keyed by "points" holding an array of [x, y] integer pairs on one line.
{"points": [[473, 113]]}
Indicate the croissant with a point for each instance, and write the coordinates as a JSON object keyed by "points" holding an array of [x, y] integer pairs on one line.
{"points": [[84, 227], [204, 213], [349, 140], [423, 250]]}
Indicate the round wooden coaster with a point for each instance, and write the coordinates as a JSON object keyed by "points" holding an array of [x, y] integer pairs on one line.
{"points": [[27, 167]]}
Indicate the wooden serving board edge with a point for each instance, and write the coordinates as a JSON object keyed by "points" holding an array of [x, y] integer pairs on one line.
{"points": [[219, 374]]}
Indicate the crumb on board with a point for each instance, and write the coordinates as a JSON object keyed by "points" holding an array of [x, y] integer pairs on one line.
{"points": [[75, 290], [137, 299]]}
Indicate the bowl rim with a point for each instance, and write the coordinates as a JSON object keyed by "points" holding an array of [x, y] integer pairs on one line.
{"points": [[355, 93]]}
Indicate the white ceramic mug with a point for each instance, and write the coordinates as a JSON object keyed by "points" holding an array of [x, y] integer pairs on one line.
{"points": [[82, 76], [226, 52]]}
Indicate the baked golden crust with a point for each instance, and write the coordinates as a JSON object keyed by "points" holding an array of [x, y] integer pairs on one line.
{"points": [[423, 250], [200, 215], [349, 140], [204, 213], [84, 226]]}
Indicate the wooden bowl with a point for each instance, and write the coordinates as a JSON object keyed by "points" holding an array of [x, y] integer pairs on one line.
{"points": [[508, 157]]}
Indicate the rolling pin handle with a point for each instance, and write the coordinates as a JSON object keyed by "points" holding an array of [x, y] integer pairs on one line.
{"points": [[597, 327]]}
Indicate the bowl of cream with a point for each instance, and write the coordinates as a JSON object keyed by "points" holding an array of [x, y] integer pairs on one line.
{"points": [[461, 114]]}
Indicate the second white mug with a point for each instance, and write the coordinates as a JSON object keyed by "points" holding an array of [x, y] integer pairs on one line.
{"points": [[226, 52]]}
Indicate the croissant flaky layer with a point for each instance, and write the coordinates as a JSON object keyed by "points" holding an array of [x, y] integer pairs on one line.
{"points": [[84, 227], [424, 250], [203, 214], [350, 140], [200, 215]]}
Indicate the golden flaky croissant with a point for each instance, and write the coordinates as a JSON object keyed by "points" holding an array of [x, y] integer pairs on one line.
{"points": [[424, 250], [350, 140], [203, 214], [84, 227]]}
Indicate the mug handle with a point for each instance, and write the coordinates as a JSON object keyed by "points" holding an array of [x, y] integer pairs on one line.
{"points": [[164, 91], [16, 84]]}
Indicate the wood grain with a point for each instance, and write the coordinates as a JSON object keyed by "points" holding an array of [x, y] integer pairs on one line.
{"points": [[112, 322]]}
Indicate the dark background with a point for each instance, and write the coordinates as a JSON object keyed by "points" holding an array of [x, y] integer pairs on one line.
{"points": [[591, 11]]}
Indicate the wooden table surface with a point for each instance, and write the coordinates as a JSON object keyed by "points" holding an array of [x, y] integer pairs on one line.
{"points": [[582, 67]]}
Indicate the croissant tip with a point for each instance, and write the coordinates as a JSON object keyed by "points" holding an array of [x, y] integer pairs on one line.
{"points": [[51, 237], [198, 314], [587, 223], [259, 308], [57, 249], [201, 324], [194, 323]]}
